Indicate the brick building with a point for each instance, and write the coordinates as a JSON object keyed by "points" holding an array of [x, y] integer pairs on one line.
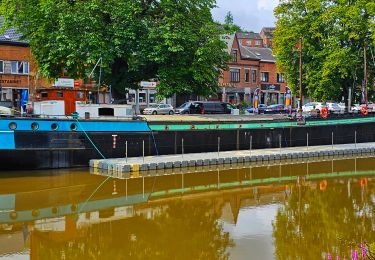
{"points": [[267, 35], [20, 82], [18, 72], [251, 66]]}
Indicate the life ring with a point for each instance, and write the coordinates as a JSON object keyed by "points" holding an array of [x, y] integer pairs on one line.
{"points": [[323, 185], [364, 182], [364, 111], [324, 112]]}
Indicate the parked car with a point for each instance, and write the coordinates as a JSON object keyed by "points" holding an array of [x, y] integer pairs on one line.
{"points": [[356, 108], [204, 107], [370, 106], [312, 105], [334, 108], [159, 109], [5, 111], [261, 108], [276, 108], [342, 106]]}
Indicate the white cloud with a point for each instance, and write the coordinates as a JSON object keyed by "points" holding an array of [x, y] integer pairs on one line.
{"points": [[249, 14]]}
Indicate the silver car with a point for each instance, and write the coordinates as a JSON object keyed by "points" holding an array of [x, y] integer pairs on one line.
{"points": [[5, 111], [159, 109]]}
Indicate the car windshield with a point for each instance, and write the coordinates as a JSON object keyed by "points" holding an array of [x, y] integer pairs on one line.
{"points": [[153, 106], [184, 105]]}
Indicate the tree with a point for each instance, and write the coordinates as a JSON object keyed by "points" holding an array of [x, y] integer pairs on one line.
{"points": [[174, 42], [333, 36], [229, 25]]}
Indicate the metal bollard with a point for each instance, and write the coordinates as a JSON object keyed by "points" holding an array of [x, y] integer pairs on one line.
{"points": [[126, 151], [143, 150], [280, 142], [218, 146], [182, 148], [307, 141], [251, 143]]}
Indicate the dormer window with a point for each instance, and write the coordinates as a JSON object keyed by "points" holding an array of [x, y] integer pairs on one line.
{"points": [[234, 55]]}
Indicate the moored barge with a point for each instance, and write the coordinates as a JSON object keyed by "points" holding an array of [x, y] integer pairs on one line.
{"points": [[47, 143]]}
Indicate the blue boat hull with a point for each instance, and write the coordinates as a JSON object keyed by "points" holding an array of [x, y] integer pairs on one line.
{"points": [[45, 148]]}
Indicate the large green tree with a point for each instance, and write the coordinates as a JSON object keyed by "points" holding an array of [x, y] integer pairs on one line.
{"points": [[175, 42], [333, 35]]}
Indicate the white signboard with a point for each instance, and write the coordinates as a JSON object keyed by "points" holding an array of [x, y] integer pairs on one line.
{"points": [[63, 82], [148, 84]]}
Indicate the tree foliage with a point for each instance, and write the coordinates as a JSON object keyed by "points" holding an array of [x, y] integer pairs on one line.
{"points": [[229, 25], [175, 42], [333, 35]]}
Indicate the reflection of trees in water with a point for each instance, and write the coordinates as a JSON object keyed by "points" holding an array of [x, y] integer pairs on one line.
{"points": [[313, 221], [183, 230]]}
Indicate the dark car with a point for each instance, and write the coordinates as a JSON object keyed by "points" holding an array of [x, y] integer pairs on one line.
{"points": [[261, 108], [204, 107]]}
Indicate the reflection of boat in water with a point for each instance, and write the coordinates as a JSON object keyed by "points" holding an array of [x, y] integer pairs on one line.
{"points": [[81, 192], [51, 210]]}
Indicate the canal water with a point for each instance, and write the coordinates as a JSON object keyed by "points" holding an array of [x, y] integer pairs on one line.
{"points": [[304, 210]]}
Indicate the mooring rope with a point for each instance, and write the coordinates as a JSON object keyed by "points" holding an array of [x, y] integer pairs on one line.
{"points": [[97, 149], [88, 137]]}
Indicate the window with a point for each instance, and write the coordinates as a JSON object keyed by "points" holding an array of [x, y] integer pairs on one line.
{"points": [[19, 67], [44, 94], [234, 56], [254, 75], [152, 97], [59, 94], [1, 66], [248, 42], [79, 94], [106, 111], [264, 77], [257, 43], [234, 75], [142, 97], [280, 78], [247, 75]]}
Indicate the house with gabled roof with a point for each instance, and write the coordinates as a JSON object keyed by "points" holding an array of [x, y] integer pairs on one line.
{"points": [[251, 68]]}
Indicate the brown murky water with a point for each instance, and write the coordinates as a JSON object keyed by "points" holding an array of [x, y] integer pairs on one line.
{"points": [[299, 211]]}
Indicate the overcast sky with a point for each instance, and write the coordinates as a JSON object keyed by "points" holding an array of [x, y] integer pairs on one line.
{"points": [[251, 15]]}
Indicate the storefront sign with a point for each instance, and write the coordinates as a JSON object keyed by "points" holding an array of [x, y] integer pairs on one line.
{"points": [[270, 87], [10, 81], [148, 84], [63, 82]]}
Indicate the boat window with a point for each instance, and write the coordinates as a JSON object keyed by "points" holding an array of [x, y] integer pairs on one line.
{"points": [[106, 111], [44, 94], [59, 94], [54, 126], [73, 127], [12, 126], [34, 126]]}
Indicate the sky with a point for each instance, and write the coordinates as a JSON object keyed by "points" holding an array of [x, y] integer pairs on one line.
{"points": [[250, 15]]}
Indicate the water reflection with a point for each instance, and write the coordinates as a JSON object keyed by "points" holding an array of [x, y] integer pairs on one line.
{"points": [[286, 211]]}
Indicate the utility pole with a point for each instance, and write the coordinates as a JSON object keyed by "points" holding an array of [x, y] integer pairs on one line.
{"points": [[365, 72], [300, 75]]}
